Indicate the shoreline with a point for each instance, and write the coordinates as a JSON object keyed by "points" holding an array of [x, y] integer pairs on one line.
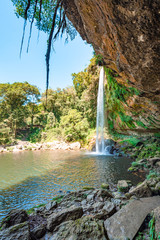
{"points": [[27, 146]]}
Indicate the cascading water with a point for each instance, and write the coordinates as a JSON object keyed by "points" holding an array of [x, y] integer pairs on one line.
{"points": [[100, 146]]}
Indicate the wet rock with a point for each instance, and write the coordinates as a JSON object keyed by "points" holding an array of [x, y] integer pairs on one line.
{"points": [[14, 217], [85, 228], [126, 222], [109, 142], [142, 190], [71, 213], [16, 232], [109, 149], [123, 186]]}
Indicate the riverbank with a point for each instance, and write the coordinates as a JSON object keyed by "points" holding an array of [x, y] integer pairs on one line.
{"points": [[28, 146], [110, 212], [120, 211]]}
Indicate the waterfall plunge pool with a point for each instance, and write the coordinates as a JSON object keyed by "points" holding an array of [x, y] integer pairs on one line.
{"points": [[34, 177]]}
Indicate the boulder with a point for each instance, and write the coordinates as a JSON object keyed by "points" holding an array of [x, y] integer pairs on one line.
{"points": [[108, 210], [126, 222], [109, 142], [142, 190], [37, 225], [104, 194], [85, 228], [16, 232], [14, 217], [122, 186], [51, 205], [70, 213], [75, 146]]}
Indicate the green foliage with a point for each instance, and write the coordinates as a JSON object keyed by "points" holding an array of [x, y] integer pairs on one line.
{"points": [[99, 59], [132, 141], [152, 174], [116, 98], [34, 135], [134, 164], [86, 86], [16, 100], [44, 15], [51, 121], [32, 210], [152, 232], [74, 126]]}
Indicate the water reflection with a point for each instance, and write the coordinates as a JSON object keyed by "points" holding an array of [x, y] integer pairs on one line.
{"points": [[31, 178]]}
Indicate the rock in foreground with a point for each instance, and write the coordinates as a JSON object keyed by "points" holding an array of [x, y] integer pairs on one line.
{"points": [[125, 223]]}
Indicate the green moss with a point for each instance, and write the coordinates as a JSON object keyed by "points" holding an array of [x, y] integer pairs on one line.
{"points": [[58, 199], [32, 210], [135, 164], [17, 227], [105, 186], [88, 188], [116, 98]]}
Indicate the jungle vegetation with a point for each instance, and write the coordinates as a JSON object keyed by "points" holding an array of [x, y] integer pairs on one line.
{"points": [[69, 114]]}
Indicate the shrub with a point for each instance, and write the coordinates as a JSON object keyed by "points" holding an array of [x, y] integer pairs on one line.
{"points": [[74, 127]]}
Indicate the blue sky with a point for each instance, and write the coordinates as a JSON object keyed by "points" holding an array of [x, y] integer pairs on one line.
{"points": [[67, 58]]}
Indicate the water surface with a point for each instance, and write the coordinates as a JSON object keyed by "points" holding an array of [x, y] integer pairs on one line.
{"points": [[34, 177]]}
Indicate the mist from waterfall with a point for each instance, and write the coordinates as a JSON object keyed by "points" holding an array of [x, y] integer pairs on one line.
{"points": [[100, 146]]}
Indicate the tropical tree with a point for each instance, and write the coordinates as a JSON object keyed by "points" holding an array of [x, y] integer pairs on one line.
{"points": [[74, 126], [15, 100]]}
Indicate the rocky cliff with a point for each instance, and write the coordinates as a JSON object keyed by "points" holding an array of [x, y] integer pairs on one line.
{"points": [[127, 35]]}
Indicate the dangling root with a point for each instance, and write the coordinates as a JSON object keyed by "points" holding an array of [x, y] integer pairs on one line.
{"points": [[25, 23], [35, 8]]}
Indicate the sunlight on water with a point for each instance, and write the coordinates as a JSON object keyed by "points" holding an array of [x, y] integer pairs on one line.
{"points": [[34, 177]]}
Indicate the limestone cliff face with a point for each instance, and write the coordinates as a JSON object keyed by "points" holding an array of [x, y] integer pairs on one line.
{"points": [[127, 34]]}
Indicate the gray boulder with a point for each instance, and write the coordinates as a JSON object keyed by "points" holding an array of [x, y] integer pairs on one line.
{"points": [[126, 222], [85, 228], [142, 190], [16, 232], [108, 210], [71, 213], [123, 186], [14, 217]]}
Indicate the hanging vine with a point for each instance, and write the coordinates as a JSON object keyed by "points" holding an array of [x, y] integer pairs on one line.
{"points": [[50, 17]]}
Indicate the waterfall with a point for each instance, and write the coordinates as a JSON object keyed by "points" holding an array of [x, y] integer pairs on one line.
{"points": [[100, 147]]}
